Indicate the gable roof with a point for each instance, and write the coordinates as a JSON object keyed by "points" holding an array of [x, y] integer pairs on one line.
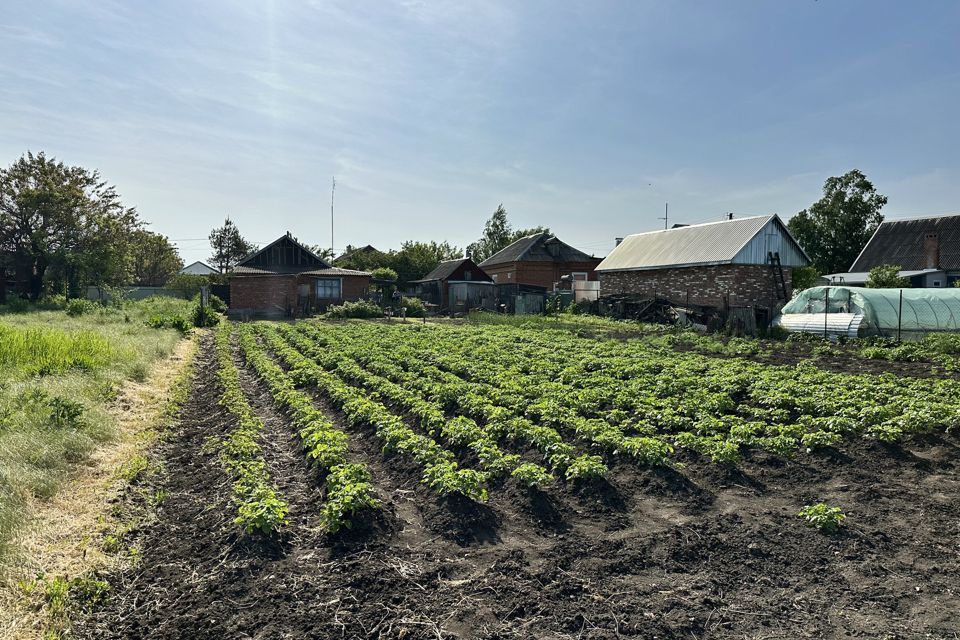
{"points": [[364, 249], [536, 248], [283, 255], [198, 267], [697, 244], [448, 267], [902, 242]]}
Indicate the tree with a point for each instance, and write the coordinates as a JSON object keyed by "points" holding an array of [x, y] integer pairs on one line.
{"points": [[835, 228], [154, 261], [62, 226], [385, 273], [228, 246], [804, 278], [417, 259], [886, 276], [324, 253], [498, 234]]}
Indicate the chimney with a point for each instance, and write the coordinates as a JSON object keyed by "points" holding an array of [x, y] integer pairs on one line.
{"points": [[729, 216], [618, 241], [931, 251], [553, 247], [469, 254]]}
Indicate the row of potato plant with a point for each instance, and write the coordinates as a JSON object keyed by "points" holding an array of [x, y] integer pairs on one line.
{"points": [[259, 508], [466, 399], [459, 432], [440, 469], [348, 487], [716, 406]]}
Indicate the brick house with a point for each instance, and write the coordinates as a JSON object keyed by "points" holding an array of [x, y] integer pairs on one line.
{"points": [[542, 260], [744, 262], [287, 279], [471, 285], [926, 249]]}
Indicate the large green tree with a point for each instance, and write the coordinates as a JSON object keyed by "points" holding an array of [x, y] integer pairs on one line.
{"points": [[154, 260], [835, 228], [62, 227], [228, 246], [498, 234]]}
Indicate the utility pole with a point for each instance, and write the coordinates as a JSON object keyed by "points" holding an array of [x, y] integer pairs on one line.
{"points": [[666, 213], [333, 188]]}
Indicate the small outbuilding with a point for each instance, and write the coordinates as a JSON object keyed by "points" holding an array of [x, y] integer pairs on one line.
{"points": [[743, 262], [286, 279], [457, 285]]}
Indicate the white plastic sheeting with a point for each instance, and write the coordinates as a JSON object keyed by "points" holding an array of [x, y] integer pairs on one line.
{"points": [[829, 325]]}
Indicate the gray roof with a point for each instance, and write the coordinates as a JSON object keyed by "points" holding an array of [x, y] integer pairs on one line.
{"points": [[536, 248], [902, 242], [697, 244], [329, 271]]}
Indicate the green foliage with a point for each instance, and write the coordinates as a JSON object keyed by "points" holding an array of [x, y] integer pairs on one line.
{"points": [[170, 321], [826, 519], [187, 284], [886, 276], [835, 229], [804, 278], [586, 467], [204, 316], [384, 273], [415, 307], [44, 351], [413, 261], [80, 306], [64, 226], [228, 246], [358, 309], [532, 475], [497, 235], [154, 259]]}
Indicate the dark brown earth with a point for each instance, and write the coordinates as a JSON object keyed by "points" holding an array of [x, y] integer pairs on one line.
{"points": [[704, 551]]}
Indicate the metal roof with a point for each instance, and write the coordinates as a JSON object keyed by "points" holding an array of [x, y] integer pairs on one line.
{"points": [[698, 244], [294, 271], [862, 276]]}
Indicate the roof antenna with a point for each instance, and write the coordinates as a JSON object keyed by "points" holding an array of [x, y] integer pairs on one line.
{"points": [[729, 216], [666, 214], [333, 187]]}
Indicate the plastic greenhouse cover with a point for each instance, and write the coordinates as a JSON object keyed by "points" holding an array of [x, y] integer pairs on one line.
{"points": [[923, 309]]}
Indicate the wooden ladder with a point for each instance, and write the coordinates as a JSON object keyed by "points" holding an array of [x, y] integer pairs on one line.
{"points": [[779, 284]]}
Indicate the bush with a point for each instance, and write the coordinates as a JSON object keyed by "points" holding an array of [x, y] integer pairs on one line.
{"points": [[79, 306], [826, 519], [187, 284], [384, 273], [358, 309], [204, 317], [415, 307], [216, 304], [169, 321]]}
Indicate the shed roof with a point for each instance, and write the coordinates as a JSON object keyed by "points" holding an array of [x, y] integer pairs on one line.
{"points": [[537, 248], [448, 267], [902, 242], [696, 244]]}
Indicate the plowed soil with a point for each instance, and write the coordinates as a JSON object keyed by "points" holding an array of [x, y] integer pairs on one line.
{"points": [[703, 551]]}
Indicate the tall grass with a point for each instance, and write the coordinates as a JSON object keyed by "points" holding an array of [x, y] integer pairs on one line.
{"points": [[45, 351], [58, 375]]}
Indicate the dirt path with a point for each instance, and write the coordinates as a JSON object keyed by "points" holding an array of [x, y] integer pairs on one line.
{"points": [[698, 552]]}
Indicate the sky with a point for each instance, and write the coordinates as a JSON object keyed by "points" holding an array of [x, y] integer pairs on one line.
{"points": [[583, 116]]}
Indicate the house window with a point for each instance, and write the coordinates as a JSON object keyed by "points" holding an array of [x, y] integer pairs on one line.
{"points": [[579, 276], [936, 283], [328, 289]]}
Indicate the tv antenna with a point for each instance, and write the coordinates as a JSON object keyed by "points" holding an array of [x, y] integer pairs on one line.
{"points": [[333, 188], [666, 214]]}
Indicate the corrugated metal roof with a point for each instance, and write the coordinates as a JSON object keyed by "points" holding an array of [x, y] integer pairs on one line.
{"points": [[698, 244], [329, 271], [710, 243], [539, 247]]}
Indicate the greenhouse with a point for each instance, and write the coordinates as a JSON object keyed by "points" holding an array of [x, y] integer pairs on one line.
{"points": [[859, 312]]}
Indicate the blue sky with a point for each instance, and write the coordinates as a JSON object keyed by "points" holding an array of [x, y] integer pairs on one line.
{"points": [[582, 116]]}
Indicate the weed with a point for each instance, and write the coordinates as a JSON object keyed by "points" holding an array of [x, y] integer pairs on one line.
{"points": [[826, 519]]}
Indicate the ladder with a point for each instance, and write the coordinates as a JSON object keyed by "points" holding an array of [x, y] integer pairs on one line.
{"points": [[779, 284]]}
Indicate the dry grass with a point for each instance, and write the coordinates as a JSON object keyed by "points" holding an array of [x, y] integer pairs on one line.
{"points": [[64, 536]]}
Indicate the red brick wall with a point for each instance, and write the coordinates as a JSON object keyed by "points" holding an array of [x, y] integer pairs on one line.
{"points": [[278, 295], [543, 274], [740, 285]]}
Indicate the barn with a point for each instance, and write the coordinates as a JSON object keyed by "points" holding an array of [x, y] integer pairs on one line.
{"points": [[743, 262], [286, 279]]}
